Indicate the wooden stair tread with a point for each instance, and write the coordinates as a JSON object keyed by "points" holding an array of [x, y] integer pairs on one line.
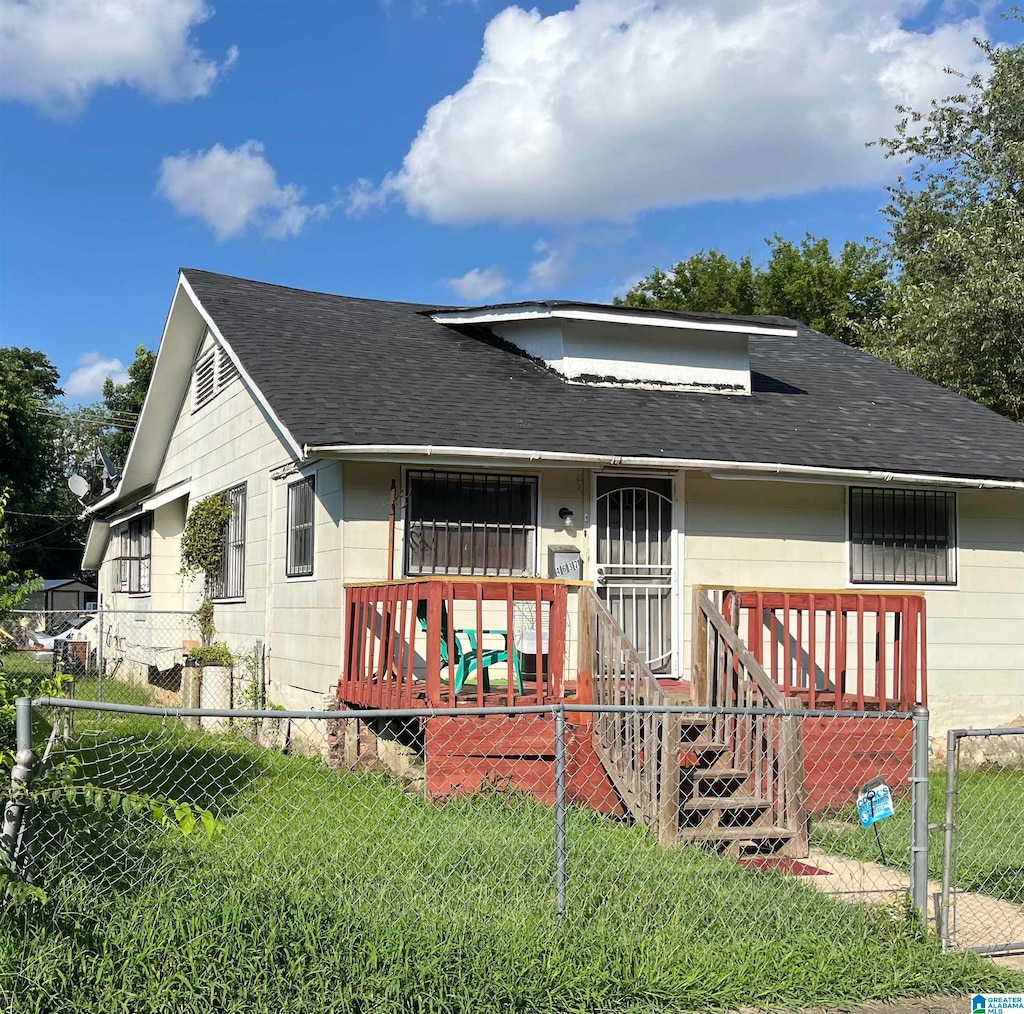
{"points": [[722, 774], [710, 835], [725, 803]]}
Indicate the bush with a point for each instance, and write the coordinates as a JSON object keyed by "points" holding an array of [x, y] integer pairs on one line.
{"points": [[210, 654]]}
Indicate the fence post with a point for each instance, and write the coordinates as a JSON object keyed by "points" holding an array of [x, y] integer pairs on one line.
{"points": [[919, 815], [952, 745], [560, 776], [99, 657], [21, 780]]}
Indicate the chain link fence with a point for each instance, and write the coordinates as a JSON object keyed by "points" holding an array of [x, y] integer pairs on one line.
{"points": [[498, 838], [131, 656], [518, 805], [981, 902]]}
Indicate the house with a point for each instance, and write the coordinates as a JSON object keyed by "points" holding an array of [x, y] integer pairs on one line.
{"points": [[575, 452]]}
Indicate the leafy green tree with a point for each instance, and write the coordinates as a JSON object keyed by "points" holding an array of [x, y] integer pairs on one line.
{"points": [[707, 282], [956, 232], [29, 467], [122, 404], [839, 294], [15, 585]]}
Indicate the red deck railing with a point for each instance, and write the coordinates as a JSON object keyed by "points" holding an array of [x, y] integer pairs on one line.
{"points": [[837, 649], [405, 641]]}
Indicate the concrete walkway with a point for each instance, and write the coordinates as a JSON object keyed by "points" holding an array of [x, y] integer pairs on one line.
{"points": [[978, 920]]}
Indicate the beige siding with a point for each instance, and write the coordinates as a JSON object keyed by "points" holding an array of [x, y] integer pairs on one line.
{"points": [[739, 533], [793, 535], [228, 441], [305, 614]]}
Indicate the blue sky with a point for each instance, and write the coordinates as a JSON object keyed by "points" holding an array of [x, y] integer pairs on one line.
{"points": [[428, 150]]}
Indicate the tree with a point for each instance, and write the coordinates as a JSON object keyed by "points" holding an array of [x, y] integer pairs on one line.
{"points": [[29, 467], [707, 282], [15, 585], [122, 404], [837, 294], [956, 233]]}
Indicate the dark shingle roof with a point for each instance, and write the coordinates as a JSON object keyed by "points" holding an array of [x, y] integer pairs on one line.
{"points": [[340, 370]]}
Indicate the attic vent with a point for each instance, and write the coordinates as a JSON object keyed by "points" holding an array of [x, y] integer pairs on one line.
{"points": [[213, 372], [226, 370], [205, 381]]}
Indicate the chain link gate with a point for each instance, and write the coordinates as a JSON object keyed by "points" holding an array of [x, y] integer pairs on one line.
{"points": [[981, 900]]}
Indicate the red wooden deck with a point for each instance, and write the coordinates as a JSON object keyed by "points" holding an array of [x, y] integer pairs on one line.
{"points": [[829, 650]]}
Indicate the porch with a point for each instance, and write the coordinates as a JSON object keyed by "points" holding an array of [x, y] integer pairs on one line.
{"points": [[733, 780]]}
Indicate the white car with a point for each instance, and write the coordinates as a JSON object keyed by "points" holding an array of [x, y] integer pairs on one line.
{"points": [[40, 647]]}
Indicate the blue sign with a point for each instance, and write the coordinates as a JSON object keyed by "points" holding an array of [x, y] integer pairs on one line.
{"points": [[874, 803]]}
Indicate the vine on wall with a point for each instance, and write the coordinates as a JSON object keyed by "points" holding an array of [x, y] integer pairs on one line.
{"points": [[202, 552]]}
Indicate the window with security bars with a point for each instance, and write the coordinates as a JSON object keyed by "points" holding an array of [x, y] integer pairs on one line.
{"points": [[230, 583], [902, 536], [301, 500], [470, 523], [132, 565]]}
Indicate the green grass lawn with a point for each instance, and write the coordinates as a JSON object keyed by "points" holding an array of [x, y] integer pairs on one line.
{"points": [[344, 892], [989, 844]]}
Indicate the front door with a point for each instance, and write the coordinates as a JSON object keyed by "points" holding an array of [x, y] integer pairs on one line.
{"points": [[634, 562]]}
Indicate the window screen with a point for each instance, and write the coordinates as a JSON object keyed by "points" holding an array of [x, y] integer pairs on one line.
{"points": [[902, 536], [467, 523], [301, 498], [230, 583]]}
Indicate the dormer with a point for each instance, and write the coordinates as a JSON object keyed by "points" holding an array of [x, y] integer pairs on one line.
{"points": [[588, 343]]}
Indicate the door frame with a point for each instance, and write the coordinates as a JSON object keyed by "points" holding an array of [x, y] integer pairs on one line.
{"points": [[677, 485]]}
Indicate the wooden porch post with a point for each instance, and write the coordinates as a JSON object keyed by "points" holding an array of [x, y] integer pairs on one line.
{"points": [[435, 593], [556, 641], [699, 651], [585, 649]]}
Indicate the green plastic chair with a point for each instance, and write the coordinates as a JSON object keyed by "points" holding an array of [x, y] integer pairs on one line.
{"points": [[463, 660]]}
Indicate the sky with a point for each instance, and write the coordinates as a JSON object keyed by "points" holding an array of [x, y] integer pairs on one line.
{"points": [[439, 151]]}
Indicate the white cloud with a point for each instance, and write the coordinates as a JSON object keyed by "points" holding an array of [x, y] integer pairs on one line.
{"points": [[546, 270], [233, 191], [479, 284], [86, 379], [619, 106], [56, 53]]}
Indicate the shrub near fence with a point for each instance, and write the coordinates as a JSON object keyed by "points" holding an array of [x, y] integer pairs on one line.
{"points": [[335, 884]]}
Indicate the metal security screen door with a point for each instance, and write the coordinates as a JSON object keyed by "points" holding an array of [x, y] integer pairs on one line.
{"points": [[634, 562]]}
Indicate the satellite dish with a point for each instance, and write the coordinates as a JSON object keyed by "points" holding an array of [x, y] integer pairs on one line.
{"points": [[78, 485]]}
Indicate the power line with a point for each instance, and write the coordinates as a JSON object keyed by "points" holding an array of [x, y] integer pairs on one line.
{"points": [[31, 514], [46, 535]]}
